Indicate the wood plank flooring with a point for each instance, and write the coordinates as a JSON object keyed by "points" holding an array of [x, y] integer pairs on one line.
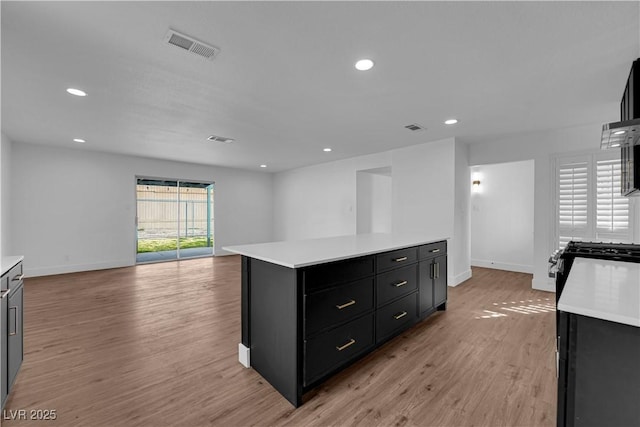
{"points": [[156, 345]]}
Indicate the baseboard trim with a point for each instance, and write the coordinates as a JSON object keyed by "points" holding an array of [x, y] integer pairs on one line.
{"points": [[244, 355], [546, 284], [519, 268], [76, 268], [456, 280]]}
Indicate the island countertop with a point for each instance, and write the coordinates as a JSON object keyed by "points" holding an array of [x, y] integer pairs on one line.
{"points": [[303, 253], [8, 262], [603, 289]]}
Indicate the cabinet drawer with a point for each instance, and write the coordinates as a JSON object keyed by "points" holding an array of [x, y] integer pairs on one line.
{"points": [[13, 277], [396, 283], [432, 249], [396, 316], [395, 259], [326, 275], [337, 305], [336, 347]]}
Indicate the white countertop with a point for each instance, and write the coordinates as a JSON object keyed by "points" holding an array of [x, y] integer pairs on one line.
{"points": [[8, 262], [302, 253], [608, 290]]}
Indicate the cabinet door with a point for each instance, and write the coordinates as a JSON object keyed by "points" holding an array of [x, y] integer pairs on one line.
{"points": [[439, 280], [15, 335], [4, 304], [426, 287]]}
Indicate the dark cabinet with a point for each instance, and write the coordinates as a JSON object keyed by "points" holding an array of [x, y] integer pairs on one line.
{"points": [[11, 329], [433, 278], [304, 324], [396, 317], [598, 375], [15, 334]]}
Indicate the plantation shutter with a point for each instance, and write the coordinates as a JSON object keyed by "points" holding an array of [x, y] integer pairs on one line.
{"points": [[612, 209], [589, 204], [573, 199]]}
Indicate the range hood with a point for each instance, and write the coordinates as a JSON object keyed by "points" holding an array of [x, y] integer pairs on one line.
{"points": [[627, 130], [617, 134]]}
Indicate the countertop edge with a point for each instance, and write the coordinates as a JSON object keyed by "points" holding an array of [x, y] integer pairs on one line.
{"points": [[238, 250], [8, 262], [624, 320]]}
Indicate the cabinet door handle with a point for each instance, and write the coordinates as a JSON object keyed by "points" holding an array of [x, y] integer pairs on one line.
{"points": [[397, 285], [349, 344], [5, 293], [437, 270], [400, 315], [432, 271], [18, 278], [346, 304], [15, 321], [402, 258], [435, 251], [558, 357]]}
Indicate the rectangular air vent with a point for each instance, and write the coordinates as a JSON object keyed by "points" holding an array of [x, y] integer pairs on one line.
{"points": [[215, 138], [415, 127], [190, 44]]}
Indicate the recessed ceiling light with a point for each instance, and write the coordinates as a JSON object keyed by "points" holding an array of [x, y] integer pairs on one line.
{"points": [[364, 65], [79, 140], [263, 166], [451, 122], [620, 132], [76, 92], [327, 149], [615, 145]]}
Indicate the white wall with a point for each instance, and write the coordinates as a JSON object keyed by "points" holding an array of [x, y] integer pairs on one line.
{"points": [[538, 146], [318, 201], [373, 202], [461, 242], [5, 187], [502, 216], [74, 210]]}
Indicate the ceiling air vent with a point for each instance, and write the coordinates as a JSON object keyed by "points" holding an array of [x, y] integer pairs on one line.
{"points": [[415, 127], [215, 138], [190, 44]]}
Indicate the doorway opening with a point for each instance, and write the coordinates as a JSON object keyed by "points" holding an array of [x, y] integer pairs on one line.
{"points": [[174, 219]]}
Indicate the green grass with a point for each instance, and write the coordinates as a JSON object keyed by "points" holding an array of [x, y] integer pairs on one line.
{"points": [[156, 245]]}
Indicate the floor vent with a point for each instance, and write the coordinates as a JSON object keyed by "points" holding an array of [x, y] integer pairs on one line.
{"points": [[415, 127], [191, 45], [215, 138]]}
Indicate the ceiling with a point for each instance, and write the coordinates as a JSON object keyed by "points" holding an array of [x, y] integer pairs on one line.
{"points": [[284, 84]]}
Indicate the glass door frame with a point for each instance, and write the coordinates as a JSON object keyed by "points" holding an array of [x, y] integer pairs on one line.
{"points": [[209, 220]]}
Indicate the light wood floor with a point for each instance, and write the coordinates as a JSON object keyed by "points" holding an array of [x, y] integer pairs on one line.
{"points": [[156, 345]]}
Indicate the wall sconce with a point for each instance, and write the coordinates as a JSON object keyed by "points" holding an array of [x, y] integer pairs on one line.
{"points": [[475, 185]]}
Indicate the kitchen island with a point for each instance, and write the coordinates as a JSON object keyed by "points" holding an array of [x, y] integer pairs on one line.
{"points": [[312, 307], [599, 344]]}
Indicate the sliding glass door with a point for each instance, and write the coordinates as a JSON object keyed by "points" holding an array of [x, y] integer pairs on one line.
{"points": [[174, 219]]}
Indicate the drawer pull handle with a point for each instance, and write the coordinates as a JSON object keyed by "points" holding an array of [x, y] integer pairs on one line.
{"points": [[17, 278], [435, 251], [349, 344], [346, 304], [397, 285], [400, 315], [402, 258]]}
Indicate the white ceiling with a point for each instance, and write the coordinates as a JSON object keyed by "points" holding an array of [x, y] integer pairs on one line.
{"points": [[284, 85]]}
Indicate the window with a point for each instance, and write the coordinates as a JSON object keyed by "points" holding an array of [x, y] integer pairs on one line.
{"points": [[589, 205]]}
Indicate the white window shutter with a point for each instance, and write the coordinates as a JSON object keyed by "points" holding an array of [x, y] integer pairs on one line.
{"points": [[612, 209], [589, 204], [573, 201]]}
